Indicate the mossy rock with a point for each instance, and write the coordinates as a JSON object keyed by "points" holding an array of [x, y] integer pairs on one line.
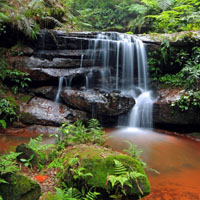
{"points": [[100, 162], [19, 187], [27, 153]]}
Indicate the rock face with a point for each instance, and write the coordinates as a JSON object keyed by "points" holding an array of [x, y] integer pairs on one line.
{"points": [[164, 113], [45, 112], [19, 187], [104, 103], [99, 161], [58, 55]]}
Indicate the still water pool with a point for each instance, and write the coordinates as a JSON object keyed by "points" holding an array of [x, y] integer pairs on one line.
{"points": [[176, 158]]}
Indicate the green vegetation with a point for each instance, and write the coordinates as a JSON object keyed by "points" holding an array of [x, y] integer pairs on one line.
{"points": [[84, 168], [84, 171], [8, 164], [186, 65], [11, 80], [126, 15], [77, 133]]}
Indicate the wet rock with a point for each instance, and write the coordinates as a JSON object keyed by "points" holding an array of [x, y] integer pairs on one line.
{"points": [[19, 187], [48, 113], [48, 92], [33, 62], [41, 75], [109, 104], [27, 153], [60, 40], [74, 54], [27, 51], [177, 39], [164, 113]]}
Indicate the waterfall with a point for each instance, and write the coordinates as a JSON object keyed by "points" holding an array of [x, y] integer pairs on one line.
{"points": [[82, 56], [130, 74], [60, 84]]}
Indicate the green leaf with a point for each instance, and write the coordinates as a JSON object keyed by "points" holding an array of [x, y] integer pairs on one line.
{"points": [[112, 179], [3, 181]]}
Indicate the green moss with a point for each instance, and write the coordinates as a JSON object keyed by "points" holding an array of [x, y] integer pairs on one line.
{"points": [[100, 162], [26, 98], [19, 187]]}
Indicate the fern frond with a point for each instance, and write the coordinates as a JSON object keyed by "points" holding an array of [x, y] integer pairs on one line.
{"points": [[91, 195], [58, 23], [119, 169], [164, 4], [133, 150]]}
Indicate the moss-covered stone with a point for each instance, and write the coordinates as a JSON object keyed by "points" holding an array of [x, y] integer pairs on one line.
{"points": [[100, 162], [27, 153], [19, 187]]}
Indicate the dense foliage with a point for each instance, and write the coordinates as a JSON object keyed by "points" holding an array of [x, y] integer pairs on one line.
{"points": [[122, 15], [175, 67], [11, 80]]}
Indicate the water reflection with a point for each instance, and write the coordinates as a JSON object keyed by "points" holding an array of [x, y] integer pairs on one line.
{"points": [[176, 158], [9, 142]]}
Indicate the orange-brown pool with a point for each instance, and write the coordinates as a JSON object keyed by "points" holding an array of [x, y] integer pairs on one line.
{"points": [[176, 158]]}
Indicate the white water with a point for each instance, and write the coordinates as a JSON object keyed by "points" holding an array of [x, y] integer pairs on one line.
{"points": [[128, 54], [60, 84], [82, 57], [131, 73]]}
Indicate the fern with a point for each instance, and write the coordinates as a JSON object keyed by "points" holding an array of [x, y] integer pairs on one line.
{"points": [[119, 169], [164, 4], [91, 195], [133, 150]]}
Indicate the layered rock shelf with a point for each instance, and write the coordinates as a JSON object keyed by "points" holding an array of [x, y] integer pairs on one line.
{"points": [[67, 61]]}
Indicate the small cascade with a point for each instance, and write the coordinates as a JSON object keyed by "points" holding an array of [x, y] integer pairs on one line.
{"points": [[86, 82], [82, 57], [130, 74], [60, 84]]}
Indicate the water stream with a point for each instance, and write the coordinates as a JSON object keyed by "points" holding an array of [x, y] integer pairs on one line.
{"points": [[60, 84]]}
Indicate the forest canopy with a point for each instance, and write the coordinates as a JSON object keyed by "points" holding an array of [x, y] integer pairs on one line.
{"points": [[135, 16]]}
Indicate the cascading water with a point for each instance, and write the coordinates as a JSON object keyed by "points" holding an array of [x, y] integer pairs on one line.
{"points": [[60, 84], [131, 72]]}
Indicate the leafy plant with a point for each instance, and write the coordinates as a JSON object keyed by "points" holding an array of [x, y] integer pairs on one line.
{"points": [[122, 179], [78, 133], [191, 98], [40, 149], [7, 112], [71, 194], [27, 162], [8, 164]]}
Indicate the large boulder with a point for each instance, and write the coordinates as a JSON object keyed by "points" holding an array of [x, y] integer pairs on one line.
{"points": [[100, 162], [104, 103], [19, 187], [48, 113], [166, 114]]}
